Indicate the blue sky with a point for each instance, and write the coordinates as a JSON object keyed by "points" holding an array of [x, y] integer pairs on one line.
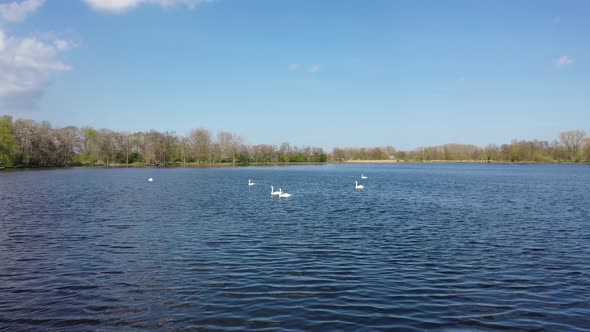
{"points": [[325, 73]]}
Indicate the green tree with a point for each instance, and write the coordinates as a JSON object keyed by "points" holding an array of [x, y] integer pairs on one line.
{"points": [[90, 145], [378, 154], [8, 145], [587, 149]]}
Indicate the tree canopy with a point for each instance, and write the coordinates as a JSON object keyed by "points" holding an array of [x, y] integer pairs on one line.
{"points": [[36, 144], [8, 145]]}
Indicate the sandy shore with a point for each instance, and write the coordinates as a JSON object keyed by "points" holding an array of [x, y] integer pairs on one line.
{"points": [[372, 162]]}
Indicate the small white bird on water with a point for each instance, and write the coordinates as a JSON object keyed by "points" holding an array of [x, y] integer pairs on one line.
{"points": [[283, 195], [363, 177], [151, 180], [275, 193], [358, 186], [250, 183]]}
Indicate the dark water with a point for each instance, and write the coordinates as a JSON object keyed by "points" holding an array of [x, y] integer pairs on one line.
{"points": [[423, 247]]}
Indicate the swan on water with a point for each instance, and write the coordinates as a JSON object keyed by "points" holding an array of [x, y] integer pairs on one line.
{"points": [[250, 183], [150, 179], [275, 193], [358, 186], [363, 177], [282, 194]]}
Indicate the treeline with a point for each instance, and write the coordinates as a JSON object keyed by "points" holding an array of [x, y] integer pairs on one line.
{"points": [[31, 144], [571, 146], [375, 153]]}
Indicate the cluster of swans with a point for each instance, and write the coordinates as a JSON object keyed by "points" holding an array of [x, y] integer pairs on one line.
{"points": [[282, 194], [279, 193]]}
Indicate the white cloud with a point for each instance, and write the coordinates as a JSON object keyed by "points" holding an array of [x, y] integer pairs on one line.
{"points": [[120, 6], [115, 6], [2, 40], [64, 45], [564, 61], [26, 65], [18, 11], [293, 67], [315, 68]]}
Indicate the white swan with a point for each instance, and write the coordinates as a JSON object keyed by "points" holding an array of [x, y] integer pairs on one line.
{"points": [[275, 193], [150, 179], [250, 183], [282, 194], [363, 177], [358, 186]]}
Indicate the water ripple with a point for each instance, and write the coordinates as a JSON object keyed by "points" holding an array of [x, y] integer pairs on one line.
{"points": [[423, 247]]}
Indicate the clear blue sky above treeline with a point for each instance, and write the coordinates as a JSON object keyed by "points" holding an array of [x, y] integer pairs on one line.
{"points": [[328, 73]]}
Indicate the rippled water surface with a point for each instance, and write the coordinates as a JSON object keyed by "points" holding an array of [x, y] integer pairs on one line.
{"points": [[422, 247]]}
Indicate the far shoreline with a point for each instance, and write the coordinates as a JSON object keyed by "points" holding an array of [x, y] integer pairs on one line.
{"points": [[457, 162], [238, 165]]}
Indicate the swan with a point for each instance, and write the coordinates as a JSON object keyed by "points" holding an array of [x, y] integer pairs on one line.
{"points": [[363, 177], [250, 183], [150, 179], [282, 194], [275, 193], [358, 186]]}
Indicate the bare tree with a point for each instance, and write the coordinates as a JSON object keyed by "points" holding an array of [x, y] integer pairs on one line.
{"points": [[284, 152], [107, 146], [158, 147], [235, 143], [45, 145], [183, 149], [24, 133], [390, 151], [67, 144], [572, 141], [491, 152], [200, 142], [170, 143], [224, 141], [229, 145], [126, 145]]}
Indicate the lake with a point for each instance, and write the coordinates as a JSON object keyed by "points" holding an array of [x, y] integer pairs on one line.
{"points": [[422, 247]]}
